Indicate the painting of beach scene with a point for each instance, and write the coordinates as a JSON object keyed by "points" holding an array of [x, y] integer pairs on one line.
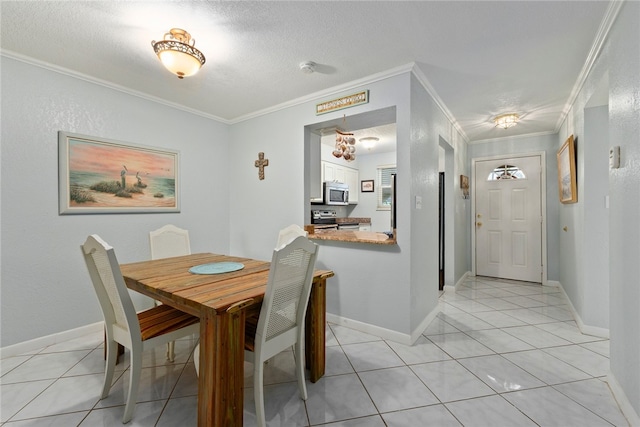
{"points": [[104, 176], [567, 172]]}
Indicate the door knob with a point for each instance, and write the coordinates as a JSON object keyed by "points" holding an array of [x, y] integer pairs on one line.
{"points": [[479, 224]]}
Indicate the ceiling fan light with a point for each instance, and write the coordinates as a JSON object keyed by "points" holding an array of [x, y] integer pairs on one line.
{"points": [[505, 121], [178, 54]]}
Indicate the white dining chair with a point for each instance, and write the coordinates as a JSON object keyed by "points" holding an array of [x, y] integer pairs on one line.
{"points": [[281, 322], [135, 331], [169, 241], [288, 234], [166, 242]]}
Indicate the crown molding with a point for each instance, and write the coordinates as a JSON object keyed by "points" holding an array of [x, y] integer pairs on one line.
{"points": [[328, 92], [104, 83], [601, 36], [520, 136], [422, 78]]}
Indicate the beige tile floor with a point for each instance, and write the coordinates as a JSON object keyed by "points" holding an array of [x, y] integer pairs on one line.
{"points": [[500, 353]]}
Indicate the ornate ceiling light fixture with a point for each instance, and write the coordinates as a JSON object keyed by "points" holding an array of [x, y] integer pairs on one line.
{"points": [[505, 121], [178, 54]]}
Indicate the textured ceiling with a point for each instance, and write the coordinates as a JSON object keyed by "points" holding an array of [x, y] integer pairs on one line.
{"points": [[480, 58]]}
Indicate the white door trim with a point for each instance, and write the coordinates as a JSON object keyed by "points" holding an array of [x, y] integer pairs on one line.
{"points": [[543, 205]]}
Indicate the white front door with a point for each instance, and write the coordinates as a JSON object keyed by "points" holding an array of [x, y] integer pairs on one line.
{"points": [[508, 222]]}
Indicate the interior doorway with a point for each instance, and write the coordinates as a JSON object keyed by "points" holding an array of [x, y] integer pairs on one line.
{"points": [[448, 216], [441, 232]]}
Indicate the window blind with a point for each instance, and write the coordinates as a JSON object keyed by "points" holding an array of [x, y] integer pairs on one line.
{"points": [[384, 186]]}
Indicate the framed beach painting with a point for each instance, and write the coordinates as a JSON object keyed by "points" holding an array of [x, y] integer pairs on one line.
{"points": [[98, 175], [567, 172]]}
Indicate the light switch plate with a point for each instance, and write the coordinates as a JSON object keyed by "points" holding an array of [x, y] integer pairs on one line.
{"points": [[418, 202], [614, 157]]}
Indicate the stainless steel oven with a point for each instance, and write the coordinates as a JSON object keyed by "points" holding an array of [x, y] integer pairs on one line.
{"points": [[324, 220]]}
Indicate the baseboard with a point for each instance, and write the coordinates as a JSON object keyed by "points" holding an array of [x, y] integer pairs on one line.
{"points": [[449, 288], [552, 283], [38, 343], [378, 331], [424, 324], [623, 402], [459, 283], [384, 333], [585, 329]]}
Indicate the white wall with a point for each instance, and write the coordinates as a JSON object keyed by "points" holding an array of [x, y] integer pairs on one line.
{"points": [[355, 292], [595, 190], [462, 213], [422, 145], [584, 245], [624, 191], [45, 285], [387, 287], [620, 60]]}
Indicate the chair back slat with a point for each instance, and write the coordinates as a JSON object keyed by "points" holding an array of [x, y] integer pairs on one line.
{"points": [[288, 289]]}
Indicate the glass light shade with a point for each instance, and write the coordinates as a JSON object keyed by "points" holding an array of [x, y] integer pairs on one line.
{"points": [[369, 142], [506, 121], [178, 53], [179, 63]]}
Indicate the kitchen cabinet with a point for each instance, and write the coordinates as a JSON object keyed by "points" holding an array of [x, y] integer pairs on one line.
{"points": [[339, 173], [329, 172], [351, 178]]}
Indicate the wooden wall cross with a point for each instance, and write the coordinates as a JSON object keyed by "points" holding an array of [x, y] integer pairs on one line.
{"points": [[260, 164]]}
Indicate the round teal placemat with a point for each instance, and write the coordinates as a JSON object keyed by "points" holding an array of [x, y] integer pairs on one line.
{"points": [[216, 268]]}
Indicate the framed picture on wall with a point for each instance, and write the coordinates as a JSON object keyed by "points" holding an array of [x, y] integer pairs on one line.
{"points": [[567, 172], [98, 175], [366, 186]]}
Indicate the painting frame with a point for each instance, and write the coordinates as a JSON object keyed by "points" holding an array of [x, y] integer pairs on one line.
{"points": [[567, 188], [92, 171], [367, 186], [464, 185]]}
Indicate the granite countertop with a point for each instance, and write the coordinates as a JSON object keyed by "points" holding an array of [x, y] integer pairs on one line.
{"points": [[352, 220], [370, 237]]}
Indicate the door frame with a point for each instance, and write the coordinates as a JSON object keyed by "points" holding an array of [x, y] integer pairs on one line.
{"points": [[543, 205]]}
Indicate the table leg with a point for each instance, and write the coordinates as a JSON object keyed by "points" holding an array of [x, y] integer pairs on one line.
{"points": [[315, 330], [221, 378]]}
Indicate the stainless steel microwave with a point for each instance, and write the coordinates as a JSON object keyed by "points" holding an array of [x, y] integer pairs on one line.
{"points": [[335, 193]]}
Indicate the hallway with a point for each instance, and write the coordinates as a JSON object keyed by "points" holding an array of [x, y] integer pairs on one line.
{"points": [[499, 353]]}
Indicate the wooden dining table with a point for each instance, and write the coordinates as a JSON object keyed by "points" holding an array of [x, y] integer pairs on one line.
{"points": [[223, 302]]}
